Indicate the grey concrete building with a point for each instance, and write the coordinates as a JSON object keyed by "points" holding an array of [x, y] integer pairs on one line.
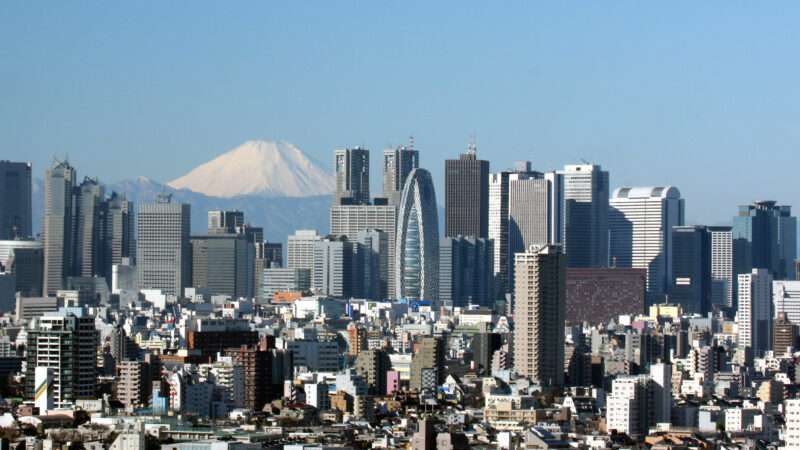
{"points": [[163, 251]]}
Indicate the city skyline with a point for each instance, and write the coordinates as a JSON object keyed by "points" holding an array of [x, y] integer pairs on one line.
{"points": [[655, 103]]}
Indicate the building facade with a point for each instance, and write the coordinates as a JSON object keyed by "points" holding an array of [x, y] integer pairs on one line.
{"points": [[352, 176], [15, 200], [466, 203], [163, 250], [586, 191]]}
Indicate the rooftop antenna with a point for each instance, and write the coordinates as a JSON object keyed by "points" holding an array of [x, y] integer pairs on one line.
{"points": [[472, 148], [411, 142], [585, 161]]}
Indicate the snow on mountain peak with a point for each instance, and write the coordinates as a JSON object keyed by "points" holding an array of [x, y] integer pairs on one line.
{"points": [[269, 168]]}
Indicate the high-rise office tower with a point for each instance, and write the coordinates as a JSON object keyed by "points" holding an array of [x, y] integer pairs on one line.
{"points": [[350, 220], [721, 266], [539, 314], [465, 271], [118, 242], [335, 268], [586, 215], [690, 285], [765, 236], [67, 344], [59, 184], [25, 259], [89, 220], [417, 246], [221, 264], [225, 221], [268, 255], [786, 299], [300, 249], [163, 252], [15, 200], [640, 232], [427, 365], [352, 177], [373, 258], [498, 224], [466, 196], [754, 313], [398, 163]]}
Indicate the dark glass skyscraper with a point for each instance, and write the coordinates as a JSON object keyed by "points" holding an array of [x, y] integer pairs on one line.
{"points": [[352, 177], [765, 237], [466, 196], [15, 200], [397, 165], [690, 285], [59, 184], [586, 215], [465, 271]]}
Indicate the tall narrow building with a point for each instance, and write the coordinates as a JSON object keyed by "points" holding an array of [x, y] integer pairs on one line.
{"points": [[640, 233], [300, 249], [89, 220], [163, 254], [59, 184], [466, 196], [118, 241], [352, 177], [498, 225], [417, 246], [398, 163], [690, 285], [539, 314], [535, 203], [15, 200], [721, 266], [754, 313], [586, 215], [465, 271]]}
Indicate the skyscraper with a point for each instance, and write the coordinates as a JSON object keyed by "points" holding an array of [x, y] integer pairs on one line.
{"points": [[586, 215], [373, 258], [539, 314], [15, 200], [754, 313], [765, 236], [352, 177], [398, 163], [498, 225], [465, 271], [721, 266], [163, 254], [335, 268], [300, 249], [59, 183], [221, 264], [350, 220], [640, 232], [466, 196], [690, 285], [89, 220], [118, 241], [417, 246]]}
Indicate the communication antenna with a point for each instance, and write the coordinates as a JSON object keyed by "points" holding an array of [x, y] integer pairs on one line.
{"points": [[472, 148], [411, 142]]}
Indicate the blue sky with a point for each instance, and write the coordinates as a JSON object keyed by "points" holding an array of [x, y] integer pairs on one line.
{"points": [[701, 95]]}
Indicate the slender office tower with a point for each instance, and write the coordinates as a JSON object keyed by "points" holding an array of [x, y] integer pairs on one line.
{"points": [[721, 266], [352, 177], [15, 200], [586, 215], [398, 163], [59, 184], [539, 314], [690, 285], [163, 252], [118, 242], [466, 196], [754, 313], [89, 218], [640, 225], [417, 246]]}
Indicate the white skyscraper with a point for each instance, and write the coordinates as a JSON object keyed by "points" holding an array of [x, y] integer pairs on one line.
{"points": [[300, 249], [753, 316], [585, 215], [640, 232], [163, 251], [721, 266]]}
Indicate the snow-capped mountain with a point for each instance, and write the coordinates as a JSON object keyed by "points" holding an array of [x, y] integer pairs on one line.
{"points": [[264, 168]]}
